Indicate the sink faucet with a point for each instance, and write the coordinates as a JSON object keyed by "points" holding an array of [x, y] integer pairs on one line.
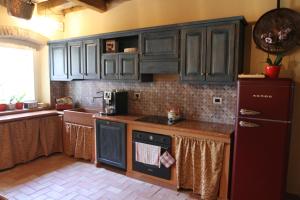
{"points": [[98, 97]]}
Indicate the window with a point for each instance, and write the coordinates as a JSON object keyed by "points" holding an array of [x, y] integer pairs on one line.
{"points": [[16, 73]]}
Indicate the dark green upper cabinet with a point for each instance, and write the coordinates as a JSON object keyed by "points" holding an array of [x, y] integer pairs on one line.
{"points": [[75, 64], [91, 60], [73, 60], [221, 53], [193, 54], [128, 66], [212, 52], [159, 52], [209, 51], [58, 62], [120, 66], [160, 45], [109, 67]]}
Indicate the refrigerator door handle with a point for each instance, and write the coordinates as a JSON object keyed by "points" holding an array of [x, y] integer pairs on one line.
{"points": [[248, 124], [249, 112]]}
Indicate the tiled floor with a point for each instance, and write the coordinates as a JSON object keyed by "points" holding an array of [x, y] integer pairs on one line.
{"points": [[64, 178]]}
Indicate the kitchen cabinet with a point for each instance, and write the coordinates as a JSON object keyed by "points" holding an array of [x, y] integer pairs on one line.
{"points": [[91, 59], [160, 52], [221, 52], [208, 52], [75, 60], [193, 54], [212, 53], [111, 143], [75, 65], [58, 62], [120, 66]]}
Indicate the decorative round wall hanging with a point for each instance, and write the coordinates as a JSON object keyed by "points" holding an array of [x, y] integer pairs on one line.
{"points": [[277, 31]]}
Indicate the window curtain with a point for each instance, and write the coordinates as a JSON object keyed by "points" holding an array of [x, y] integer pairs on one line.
{"points": [[79, 141], [199, 165]]}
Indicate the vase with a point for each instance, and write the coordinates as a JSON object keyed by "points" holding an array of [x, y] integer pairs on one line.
{"points": [[272, 71], [19, 105]]}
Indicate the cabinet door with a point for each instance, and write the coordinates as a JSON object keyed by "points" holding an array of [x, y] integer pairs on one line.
{"points": [[111, 143], [220, 52], [160, 45], [193, 54], [91, 61], [109, 68], [58, 62], [128, 66], [75, 63]]}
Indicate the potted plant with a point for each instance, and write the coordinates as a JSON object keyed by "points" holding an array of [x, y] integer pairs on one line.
{"points": [[19, 102], [11, 105], [272, 70]]}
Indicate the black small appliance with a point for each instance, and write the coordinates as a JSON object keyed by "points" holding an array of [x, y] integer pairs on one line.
{"points": [[115, 103]]}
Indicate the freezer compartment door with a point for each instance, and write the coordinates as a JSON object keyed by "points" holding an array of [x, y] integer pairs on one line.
{"points": [[265, 101], [260, 160]]}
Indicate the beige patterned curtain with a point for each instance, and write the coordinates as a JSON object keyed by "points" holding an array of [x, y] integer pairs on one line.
{"points": [[25, 140], [79, 141], [199, 165], [51, 134]]}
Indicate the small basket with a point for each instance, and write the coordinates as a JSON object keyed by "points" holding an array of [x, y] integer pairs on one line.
{"points": [[20, 8]]}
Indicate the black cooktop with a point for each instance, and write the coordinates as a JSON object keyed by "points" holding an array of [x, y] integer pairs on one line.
{"points": [[157, 120]]}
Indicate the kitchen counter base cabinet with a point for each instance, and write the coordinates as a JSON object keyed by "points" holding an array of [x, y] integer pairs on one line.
{"points": [[111, 143], [24, 140], [79, 141]]}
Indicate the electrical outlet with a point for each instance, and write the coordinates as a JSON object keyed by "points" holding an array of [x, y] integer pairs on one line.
{"points": [[136, 96], [217, 100]]}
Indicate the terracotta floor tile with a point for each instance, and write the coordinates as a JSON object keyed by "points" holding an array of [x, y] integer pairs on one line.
{"points": [[65, 178]]}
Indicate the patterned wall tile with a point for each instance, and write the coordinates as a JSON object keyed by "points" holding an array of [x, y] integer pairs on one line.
{"points": [[194, 100]]}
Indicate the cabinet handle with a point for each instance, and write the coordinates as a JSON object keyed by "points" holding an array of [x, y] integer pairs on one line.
{"points": [[202, 73], [208, 73], [248, 124], [249, 112]]}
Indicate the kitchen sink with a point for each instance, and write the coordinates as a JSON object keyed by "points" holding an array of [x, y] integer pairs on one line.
{"points": [[81, 116]]}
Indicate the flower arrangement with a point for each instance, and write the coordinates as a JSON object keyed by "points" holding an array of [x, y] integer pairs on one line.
{"points": [[275, 38]]}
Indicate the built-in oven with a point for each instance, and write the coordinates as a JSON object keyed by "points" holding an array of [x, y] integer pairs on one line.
{"points": [[163, 141]]}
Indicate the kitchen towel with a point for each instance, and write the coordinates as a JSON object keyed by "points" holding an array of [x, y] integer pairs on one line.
{"points": [[147, 154], [167, 159]]}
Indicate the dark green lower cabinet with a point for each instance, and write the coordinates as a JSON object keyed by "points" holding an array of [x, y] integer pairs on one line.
{"points": [[111, 143]]}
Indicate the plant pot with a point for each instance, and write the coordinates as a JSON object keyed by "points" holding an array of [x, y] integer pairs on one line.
{"points": [[19, 105], [2, 107], [11, 106], [272, 71]]}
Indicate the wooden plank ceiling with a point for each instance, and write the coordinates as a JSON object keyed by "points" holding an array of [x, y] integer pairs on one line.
{"points": [[65, 6]]}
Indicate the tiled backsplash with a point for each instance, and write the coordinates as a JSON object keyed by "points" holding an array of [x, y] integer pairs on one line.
{"points": [[195, 100]]}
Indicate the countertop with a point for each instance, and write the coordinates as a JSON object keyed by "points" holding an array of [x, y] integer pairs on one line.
{"points": [[190, 126], [28, 115]]}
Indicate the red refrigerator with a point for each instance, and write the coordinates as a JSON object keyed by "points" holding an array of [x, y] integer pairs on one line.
{"points": [[261, 139]]}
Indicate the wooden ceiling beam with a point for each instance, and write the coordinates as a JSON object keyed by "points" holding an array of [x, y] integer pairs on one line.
{"points": [[55, 5], [98, 5]]}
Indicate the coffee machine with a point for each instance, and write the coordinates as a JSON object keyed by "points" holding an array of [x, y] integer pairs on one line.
{"points": [[115, 102]]}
